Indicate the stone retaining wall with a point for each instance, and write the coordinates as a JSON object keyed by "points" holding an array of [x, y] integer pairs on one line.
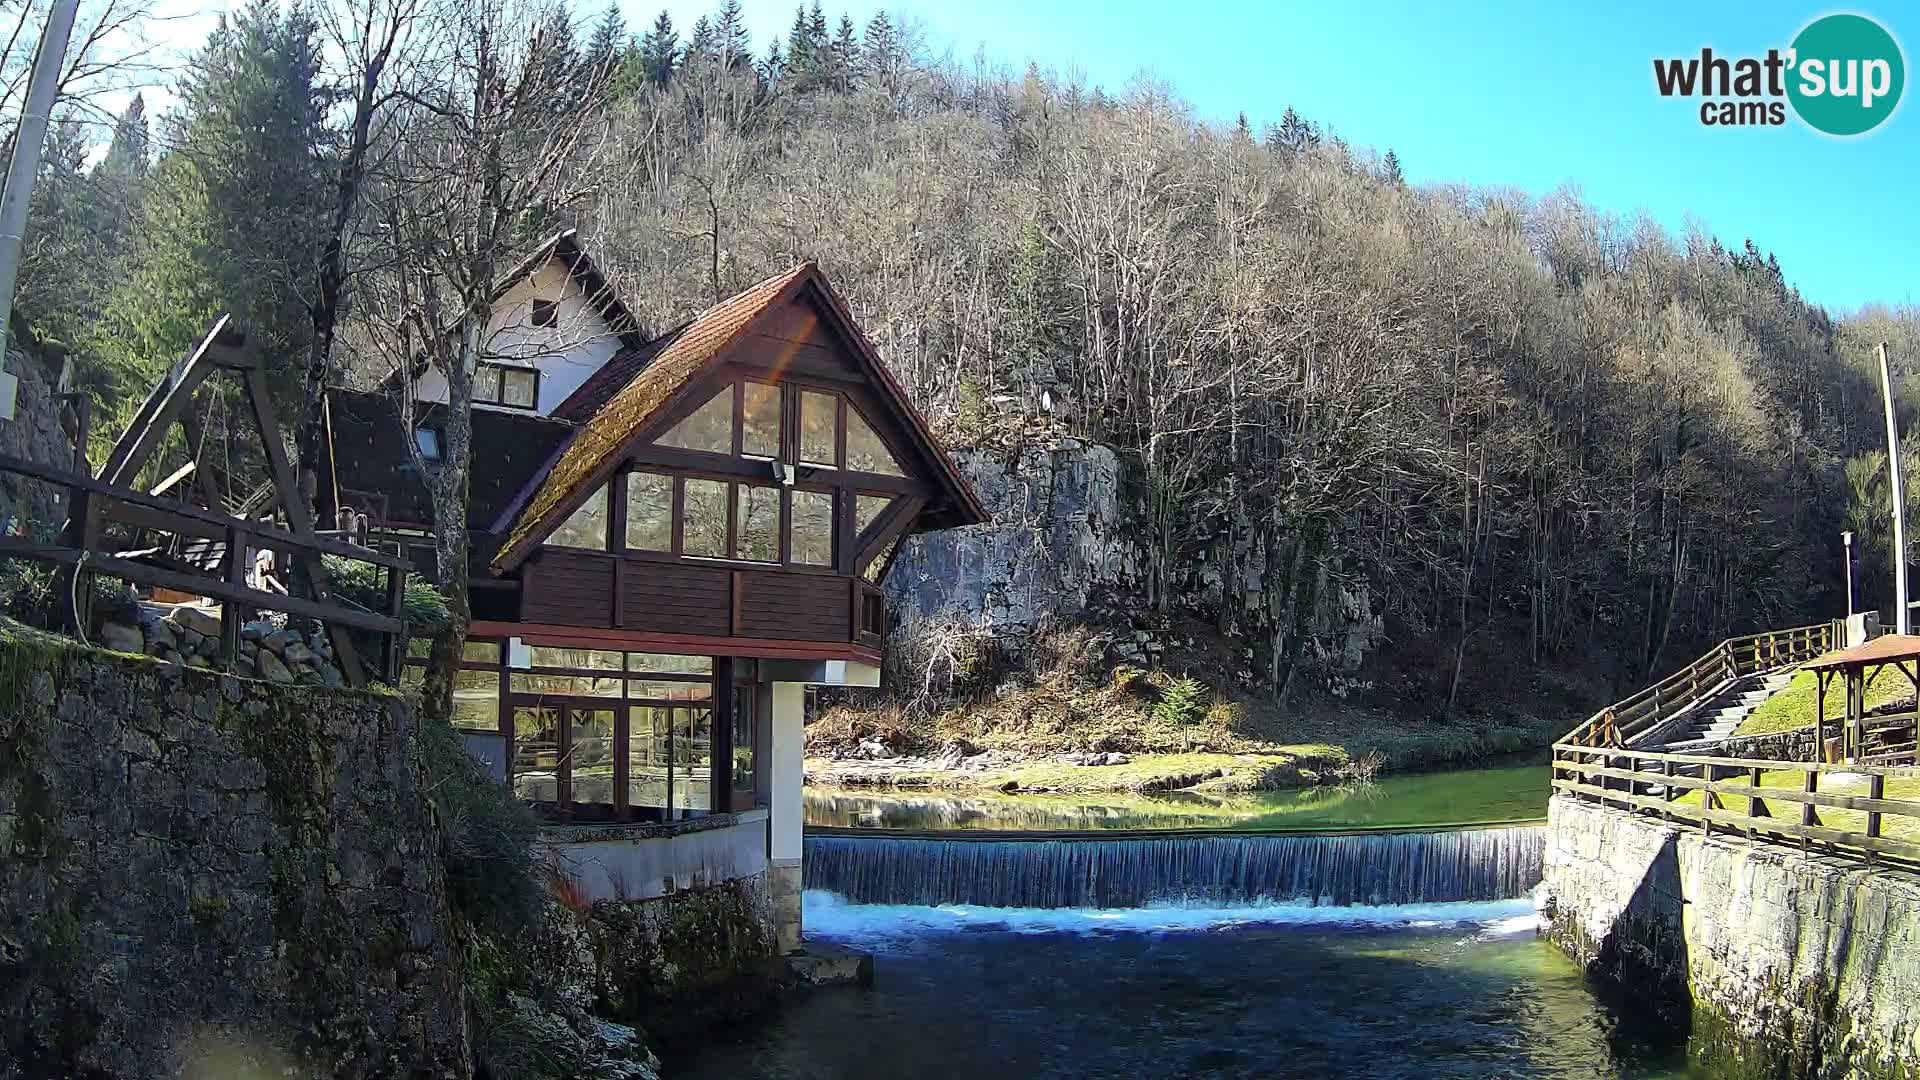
{"points": [[1798, 744], [1794, 965], [271, 648], [213, 876]]}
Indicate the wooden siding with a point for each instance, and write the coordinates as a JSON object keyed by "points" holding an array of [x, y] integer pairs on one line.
{"points": [[674, 597], [802, 607], [664, 596], [569, 587]]}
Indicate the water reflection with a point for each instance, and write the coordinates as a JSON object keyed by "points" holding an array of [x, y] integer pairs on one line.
{"points": [[1506, 792], [1462, 991]]}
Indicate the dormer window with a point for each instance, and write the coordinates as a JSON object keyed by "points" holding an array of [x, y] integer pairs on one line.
{"points": [[506, 385], [546, 313]]}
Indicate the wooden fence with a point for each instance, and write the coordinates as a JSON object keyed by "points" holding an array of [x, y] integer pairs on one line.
{"points": [[1779, 801], [1620, 723], [98, 502]]}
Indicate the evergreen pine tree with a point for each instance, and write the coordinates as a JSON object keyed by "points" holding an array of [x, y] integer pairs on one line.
{"points": [[880, 51], [1242, 131], [699, 53], [846, 54], [1294, 135], [231, 218], [607, 45], [560, 57], [1390, 170], [659, 51], [731, 44]]}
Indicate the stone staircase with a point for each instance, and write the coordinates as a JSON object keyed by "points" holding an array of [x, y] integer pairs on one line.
{"points": [[1722, 714]]}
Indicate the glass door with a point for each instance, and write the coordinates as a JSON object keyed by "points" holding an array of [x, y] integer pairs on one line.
{"points": [[590, 761], [537, 760]]}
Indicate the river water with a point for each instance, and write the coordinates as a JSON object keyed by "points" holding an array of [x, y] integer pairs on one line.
{"points": [[1511, 790], [1435, 990], [1378, 953]]}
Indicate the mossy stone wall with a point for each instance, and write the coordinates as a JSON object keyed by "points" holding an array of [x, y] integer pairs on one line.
{"points": [[1790, 965], [200, 872]]}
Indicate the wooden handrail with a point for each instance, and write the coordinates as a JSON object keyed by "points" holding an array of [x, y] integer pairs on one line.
{"points": [[1732, 658], [117, 494], [1647, 783]]}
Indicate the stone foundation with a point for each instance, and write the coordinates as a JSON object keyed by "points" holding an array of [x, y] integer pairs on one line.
{"points": [[678, 965], [784, 881], [1794, 965]]}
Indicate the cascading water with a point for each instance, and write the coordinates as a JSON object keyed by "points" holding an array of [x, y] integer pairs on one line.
{"points": [[1364, 868]]}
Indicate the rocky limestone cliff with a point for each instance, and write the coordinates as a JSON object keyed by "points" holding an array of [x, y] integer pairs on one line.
{"points": [[1067, 545]]}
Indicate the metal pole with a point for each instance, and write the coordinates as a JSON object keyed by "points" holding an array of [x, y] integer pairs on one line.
{"points": [[1902, 617], [24, 168], [1846, 538]]}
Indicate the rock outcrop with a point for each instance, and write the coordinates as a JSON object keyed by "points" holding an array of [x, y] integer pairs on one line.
{"points": [[1068, 545]]}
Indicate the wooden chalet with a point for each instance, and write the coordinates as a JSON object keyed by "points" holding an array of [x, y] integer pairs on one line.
{"points": [[672, 537]]}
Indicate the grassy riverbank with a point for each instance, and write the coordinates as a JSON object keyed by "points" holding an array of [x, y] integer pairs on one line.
{"points": [[1141, 731], [1796, 705]]}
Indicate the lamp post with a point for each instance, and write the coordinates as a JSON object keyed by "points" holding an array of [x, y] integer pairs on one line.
{"points": [[1846, 538]]}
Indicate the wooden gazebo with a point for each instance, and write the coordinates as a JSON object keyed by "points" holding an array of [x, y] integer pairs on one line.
{"points": [[1883, 739]]}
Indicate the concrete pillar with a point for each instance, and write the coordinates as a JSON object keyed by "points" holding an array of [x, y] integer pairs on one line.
{"points": [[787, 812]]}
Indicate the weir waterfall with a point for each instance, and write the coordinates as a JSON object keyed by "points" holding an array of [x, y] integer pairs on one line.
{"points": [[1337, 869]]}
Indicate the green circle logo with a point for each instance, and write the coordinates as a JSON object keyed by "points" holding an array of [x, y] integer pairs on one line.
{"points": [[1847, 76]]}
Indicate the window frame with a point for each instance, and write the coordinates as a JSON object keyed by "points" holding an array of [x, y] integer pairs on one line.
{"points": [[723, 680], [500, 401], [540, 306]]}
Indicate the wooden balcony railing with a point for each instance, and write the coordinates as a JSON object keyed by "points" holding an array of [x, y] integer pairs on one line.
{"points": [[1780, 801]]}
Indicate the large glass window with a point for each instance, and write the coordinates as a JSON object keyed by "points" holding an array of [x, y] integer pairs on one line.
{"points": [[709, 428], [649, 511], [812, 536], [758, 518], [819, 429], [760, 419], [704, 532], [476, 700], [868, 508], [693, 759], [595, 717], [590, 755], [865, 451], [585, 527], [741, 772], [536, 753]]}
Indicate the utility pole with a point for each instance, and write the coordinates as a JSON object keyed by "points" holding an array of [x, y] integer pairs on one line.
{"points": [[24, 168], [1902, 617]]}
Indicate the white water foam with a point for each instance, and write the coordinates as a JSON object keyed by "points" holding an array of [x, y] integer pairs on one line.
{"points": [[831, 916]]}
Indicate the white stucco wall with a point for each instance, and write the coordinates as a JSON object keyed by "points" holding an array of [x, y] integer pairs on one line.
{"points": [[566, 353], [607, 866]]}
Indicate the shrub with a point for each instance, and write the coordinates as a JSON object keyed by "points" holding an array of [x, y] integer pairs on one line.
{"points": [[491, 875], [364, 585], [1181, 703]]}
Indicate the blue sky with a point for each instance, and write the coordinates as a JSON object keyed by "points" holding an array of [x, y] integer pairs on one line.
{"points": [[1527, 95]]}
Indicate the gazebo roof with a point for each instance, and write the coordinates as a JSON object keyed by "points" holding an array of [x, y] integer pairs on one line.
{"points": [[1885, 649]]}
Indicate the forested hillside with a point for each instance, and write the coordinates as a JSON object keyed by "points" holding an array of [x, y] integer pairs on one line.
{"points": [[1539, 432]]}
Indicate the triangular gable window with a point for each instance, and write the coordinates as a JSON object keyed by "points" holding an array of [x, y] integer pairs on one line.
{"points": [[709, 428], [866, 509], [865, 451]]}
